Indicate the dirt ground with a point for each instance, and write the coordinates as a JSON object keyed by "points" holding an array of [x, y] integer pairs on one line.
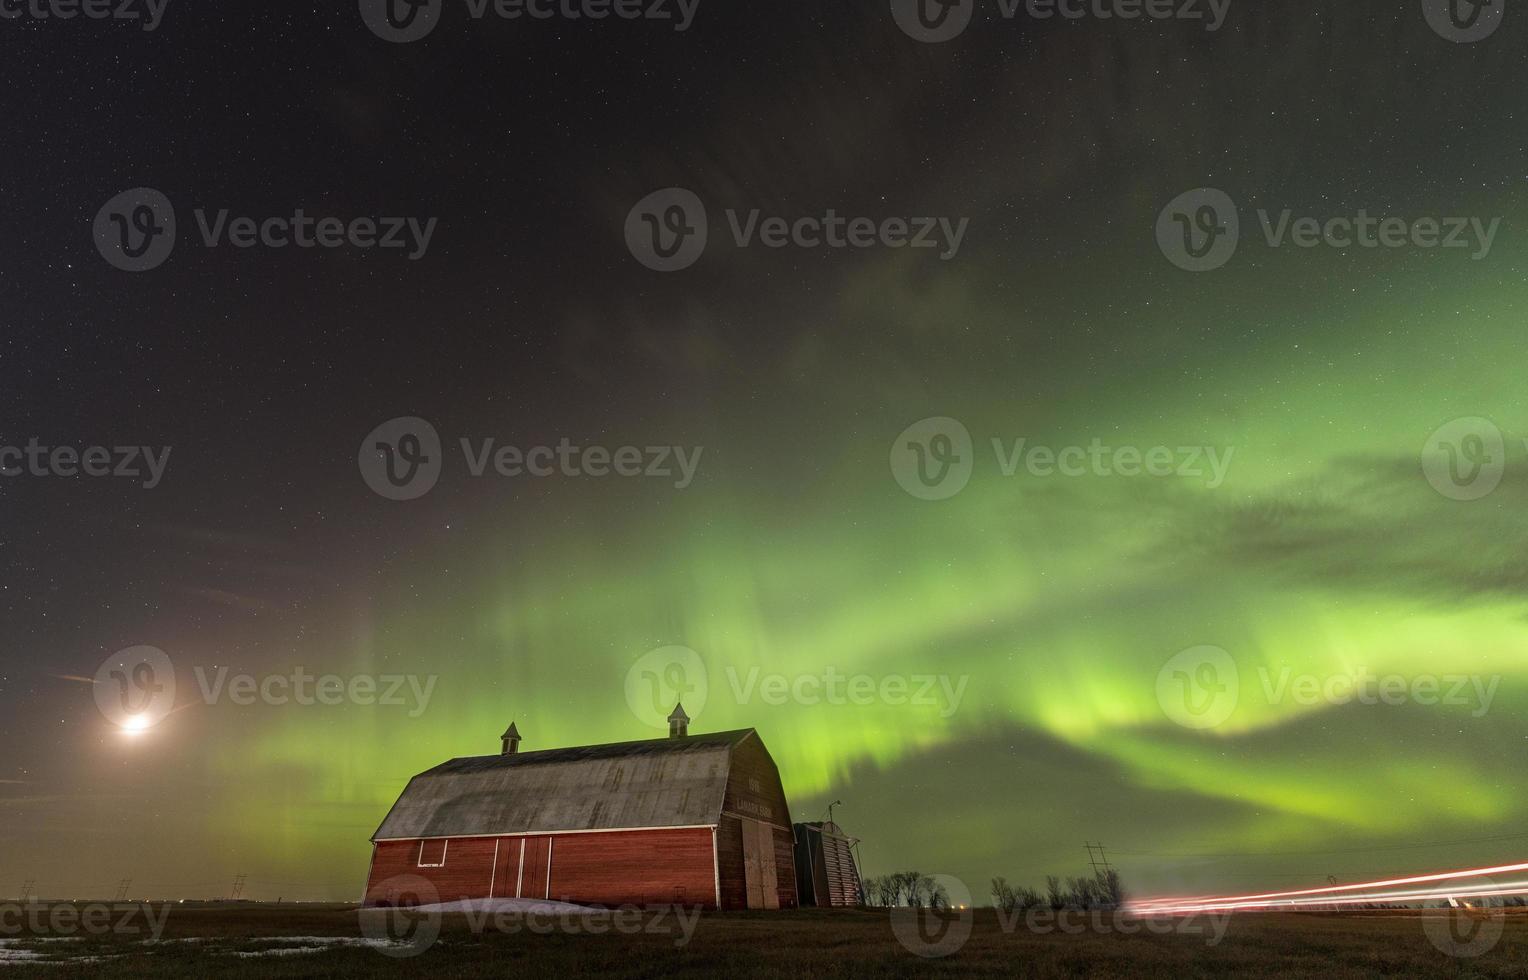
{"points": [[124, 940]]}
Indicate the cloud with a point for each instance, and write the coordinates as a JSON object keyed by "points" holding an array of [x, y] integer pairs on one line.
{"points": [[1371, 524]]}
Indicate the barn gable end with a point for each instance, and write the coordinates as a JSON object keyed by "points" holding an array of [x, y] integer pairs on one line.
{"points": [[756, 795]]}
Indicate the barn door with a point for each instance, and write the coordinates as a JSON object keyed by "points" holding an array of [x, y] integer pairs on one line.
{"points": [[752, 873], [506, 867], [767, 865], [759, 865], [535, 876]]}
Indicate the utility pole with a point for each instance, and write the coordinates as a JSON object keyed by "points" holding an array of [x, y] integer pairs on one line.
{"points": [[1100, 863]]}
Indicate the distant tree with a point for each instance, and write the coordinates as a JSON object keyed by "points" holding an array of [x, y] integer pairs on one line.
{"points": [[1011, 899], [883, 890], [1081, 893], [1110, 890], [912, 888], [907, 888], [1053, 893], [1004, 896]]}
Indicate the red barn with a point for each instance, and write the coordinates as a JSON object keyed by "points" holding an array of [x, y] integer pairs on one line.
{"points": [[689, 819]]}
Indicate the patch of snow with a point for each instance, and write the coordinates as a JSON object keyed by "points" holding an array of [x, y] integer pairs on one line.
{"points": [[314, 940], [12, 956], [305, 944], [19, 956], [279, 951]]}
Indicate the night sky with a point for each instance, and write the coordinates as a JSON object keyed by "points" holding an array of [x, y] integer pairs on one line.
{"points": [[1320, 375]]}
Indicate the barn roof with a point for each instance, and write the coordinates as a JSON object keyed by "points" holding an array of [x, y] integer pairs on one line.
{"points": [[661, 782]]}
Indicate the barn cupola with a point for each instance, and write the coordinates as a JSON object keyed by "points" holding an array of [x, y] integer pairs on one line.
{"points": [[679, 722], [511, 739]]}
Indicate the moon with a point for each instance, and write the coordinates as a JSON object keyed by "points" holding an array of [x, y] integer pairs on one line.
{"points": [[136, 724]]}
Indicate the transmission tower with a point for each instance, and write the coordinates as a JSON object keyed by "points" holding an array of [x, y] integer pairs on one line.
{"points": [[238, 886], [122, 887], [1099, 861]]}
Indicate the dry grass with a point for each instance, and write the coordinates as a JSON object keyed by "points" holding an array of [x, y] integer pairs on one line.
{"points": [[200, 942]]}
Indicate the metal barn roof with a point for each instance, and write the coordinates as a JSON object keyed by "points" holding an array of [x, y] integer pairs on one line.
{"points": [[662, 782]]}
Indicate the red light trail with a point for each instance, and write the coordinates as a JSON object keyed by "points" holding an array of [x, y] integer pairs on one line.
{"points": [[1345, 894]]}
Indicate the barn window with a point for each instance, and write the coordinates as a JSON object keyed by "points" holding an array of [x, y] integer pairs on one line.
{"points": [[432, 853]]}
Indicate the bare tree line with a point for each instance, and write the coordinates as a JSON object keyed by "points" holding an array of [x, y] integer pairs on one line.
{"points": [[913, 889], [1102, 890], [906, 889]]}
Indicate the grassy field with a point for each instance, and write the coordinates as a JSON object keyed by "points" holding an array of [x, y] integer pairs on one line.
{"points": [[331, 941]]}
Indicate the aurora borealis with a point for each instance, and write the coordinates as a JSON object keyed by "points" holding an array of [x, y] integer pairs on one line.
{"points": [[1319, 374]]}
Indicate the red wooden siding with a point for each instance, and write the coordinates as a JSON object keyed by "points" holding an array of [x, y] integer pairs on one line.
{"points": [[643, 867], [469, 865], [432, 853], [646, 867]]}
